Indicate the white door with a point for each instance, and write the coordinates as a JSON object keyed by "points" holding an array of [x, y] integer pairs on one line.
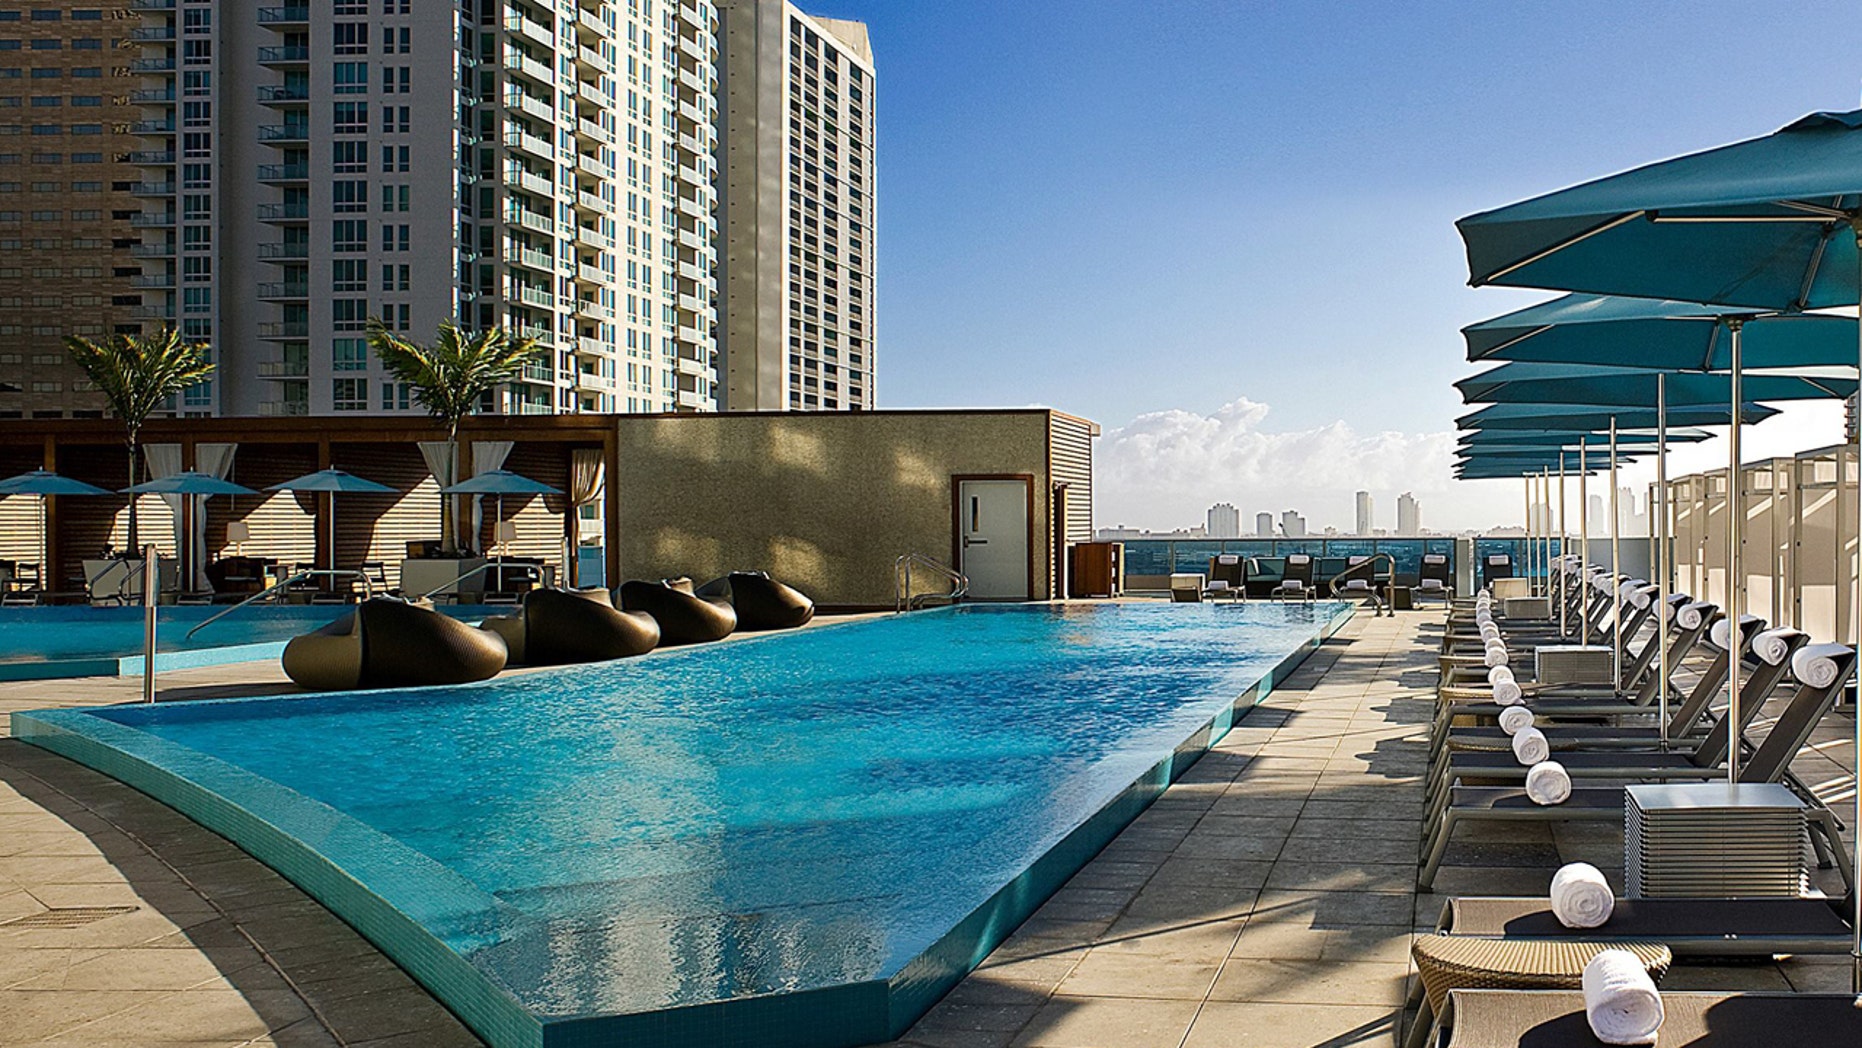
{"points": [[992, 537]]}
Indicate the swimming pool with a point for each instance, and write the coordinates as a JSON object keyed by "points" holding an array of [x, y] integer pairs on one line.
{"points": [[41, 643], [796, 839]]}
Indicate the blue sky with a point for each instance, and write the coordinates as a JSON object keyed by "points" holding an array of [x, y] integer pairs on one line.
{"points": [[1123, 209]]}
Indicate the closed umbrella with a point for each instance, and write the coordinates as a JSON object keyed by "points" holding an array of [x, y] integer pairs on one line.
{"points": [[1772, 223], [332, 481], [499, 483], [45, 483]]}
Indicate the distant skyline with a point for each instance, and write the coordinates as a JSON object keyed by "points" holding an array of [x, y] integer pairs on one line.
{"points": [[1226, 234]]}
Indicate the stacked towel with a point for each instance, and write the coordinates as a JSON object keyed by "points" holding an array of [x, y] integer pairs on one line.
{"points": [[1692, 614], [1530, 746], [1498, 674], [1818, 665], [1514, 719], [1548, 783], [1507, 693], [1620, 1000], [1722, 632], [1496, 656], [1581, 897], [1773, 645]]}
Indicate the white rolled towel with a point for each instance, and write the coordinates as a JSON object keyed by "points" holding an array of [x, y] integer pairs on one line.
{"points": [[1499, 673], [1581, 896], [1620, 1000], [1508, 693], [1642, 596], [1494, 657], [1530, 746], [1692, 614], [1548, 783], [1816, 664], [1514, 719], [1773, 645], [1722, 632]]}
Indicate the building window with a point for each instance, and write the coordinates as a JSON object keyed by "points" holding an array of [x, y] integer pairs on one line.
{"points": [[394, 159], [349, 236], [349, 275], [352, 78], [197, 52], [395, 396], [349, 314], [395, 198], [349, 354], [349, 394], [394, 120], [351, 38], [349, 196], [394, 238], [349, 157], [197, 300], [351, 118], [394, 278]]}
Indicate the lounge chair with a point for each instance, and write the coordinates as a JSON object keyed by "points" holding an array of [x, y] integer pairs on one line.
{"points": [[1295, 579], [1751, 927], [761, 602], [1769, 762], [1555, 1019], [1496, 566], [1359, 582], [683, 616], [1228, 577], [387, 643], [558, 626], [1433, 582]]}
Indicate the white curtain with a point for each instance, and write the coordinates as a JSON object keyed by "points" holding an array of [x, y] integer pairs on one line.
{"points": [[164, 460], [442, 461], [486, 455], [215, 460], [587, 471]]}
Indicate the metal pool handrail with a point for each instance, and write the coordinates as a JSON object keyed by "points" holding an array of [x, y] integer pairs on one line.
{"points": [[368, 590], [904, 600], [1369, 564]]}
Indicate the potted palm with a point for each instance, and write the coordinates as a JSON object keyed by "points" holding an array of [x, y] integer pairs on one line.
{"points": [[137, 375], [449, 377]]}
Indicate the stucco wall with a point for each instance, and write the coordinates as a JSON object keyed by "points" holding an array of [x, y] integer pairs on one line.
{"points": [[824, 501]]}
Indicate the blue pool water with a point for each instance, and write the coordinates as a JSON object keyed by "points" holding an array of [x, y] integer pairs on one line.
{"points": [[763, 817], [65, 634]]}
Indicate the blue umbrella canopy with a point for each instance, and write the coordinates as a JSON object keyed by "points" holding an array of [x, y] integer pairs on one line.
{"points": [[1516, 438], [1591, 418], [45, 482], [331, 480], [188, 482], [501, 482], [1530, 382], [1658, 333], [1764, 223]]}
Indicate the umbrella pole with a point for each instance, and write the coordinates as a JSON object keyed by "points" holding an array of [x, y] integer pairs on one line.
{"points": [[1584, 538], [1563, 579], [1735, 566], [1661, 550], [1855, 892], [1616, 567], [1526, 525]]}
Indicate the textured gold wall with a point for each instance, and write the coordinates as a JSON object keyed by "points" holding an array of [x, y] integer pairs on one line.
{"points": [[826, 502]]}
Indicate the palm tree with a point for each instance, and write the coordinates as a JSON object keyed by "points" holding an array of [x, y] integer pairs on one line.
{"points": [[138, 374], [451, 376]]}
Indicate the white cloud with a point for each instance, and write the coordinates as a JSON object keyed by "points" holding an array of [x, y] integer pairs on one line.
{"points": [[1165, 468]]}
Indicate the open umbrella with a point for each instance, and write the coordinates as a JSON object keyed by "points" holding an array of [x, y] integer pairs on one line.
{"points": [[1606, 386], [45, 483], [499, 483], [1658, 333], [1773, 223], [332, 481], [1591, 418], [1516, 438], [188, 482]]}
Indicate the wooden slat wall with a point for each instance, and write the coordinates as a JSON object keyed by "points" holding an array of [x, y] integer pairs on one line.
{"points": [[19, 514], [379, 527], [1070, 442], [283, 523]]}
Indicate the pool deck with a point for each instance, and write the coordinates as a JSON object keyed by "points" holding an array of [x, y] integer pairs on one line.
{"points": [[1266, 900]]}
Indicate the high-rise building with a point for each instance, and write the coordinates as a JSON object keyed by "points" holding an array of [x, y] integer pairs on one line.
{"points": [[1264, 525], [69, 211], [1365, 515], [1292, 525], [1409, 515], [1224, 521], [544, 167], [796, 283]]}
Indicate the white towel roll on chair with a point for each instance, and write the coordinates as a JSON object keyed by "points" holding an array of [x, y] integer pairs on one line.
{"points": [[1691, 615], [1508, 693], [1548, 783], [1496, 656], [1620, 1000], [1722, 632], [1581, 896], [1515, 719], [1773, 645], [1530, 746], [1815, 664], [1499, 673]]}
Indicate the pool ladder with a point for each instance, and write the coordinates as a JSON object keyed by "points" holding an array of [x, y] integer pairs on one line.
{"points": [[907, 600]]}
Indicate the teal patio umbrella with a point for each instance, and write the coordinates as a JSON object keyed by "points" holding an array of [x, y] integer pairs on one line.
{"points": [[1658, 333], [332, 481], [1591, 418], [499, 483], [1554, 438], [1603, 386], [44, 483], [191, 483]]}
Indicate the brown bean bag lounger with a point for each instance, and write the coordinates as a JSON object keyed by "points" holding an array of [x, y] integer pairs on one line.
{"points": [[558, 626], [761, 602], [683, 616], [391, 643]]}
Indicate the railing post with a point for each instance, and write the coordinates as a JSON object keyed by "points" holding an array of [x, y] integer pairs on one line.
{"points": [[151, 594]]}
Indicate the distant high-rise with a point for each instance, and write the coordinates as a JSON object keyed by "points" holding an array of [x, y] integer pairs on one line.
{"points": [[1264, 525], [1292, 525], [1409, 515], [796, 325], [1224, 521], [1365, 514]]}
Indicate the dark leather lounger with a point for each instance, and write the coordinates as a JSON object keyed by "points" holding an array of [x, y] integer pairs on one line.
{"points": [[1555, 1019], [1698, 927]]}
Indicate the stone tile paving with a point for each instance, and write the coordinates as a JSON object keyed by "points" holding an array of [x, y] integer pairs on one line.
{"points": [[1266, 900]]}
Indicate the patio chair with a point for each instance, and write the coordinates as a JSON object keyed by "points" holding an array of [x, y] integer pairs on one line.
{"points": [[1434, 583], [1555, 1019], [1295, 579], [1359, 582], [1228, 577], [1697, 927], [1770, 762], [1496, 566]]}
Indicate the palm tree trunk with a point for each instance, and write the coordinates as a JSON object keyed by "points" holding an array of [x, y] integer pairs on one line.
{"points": [[134, 550], [449, 504]]}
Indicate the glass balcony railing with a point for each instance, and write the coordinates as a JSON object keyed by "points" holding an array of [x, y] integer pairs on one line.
{"points": [[1159, 557]]}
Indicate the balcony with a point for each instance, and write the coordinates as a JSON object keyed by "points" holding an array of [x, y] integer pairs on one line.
{"points": [[593, 274], [591, 165], [286, 211], [692, 368], [275, 173], [688, 400], [695, 208], [152, 251], [153, 33], [151, 5], [531, 144], [151, 158], [525, 27], [285, 369], [155, 280], [165, 64], [539, 373], [593, 57], [276, 408], [591, 202], [284, 16], [588, 307], [693, 239], [518, 62], [534, 296], [287, 250], [595, 238], [153, 220], [284, 133], [530, 220], [536, 260], [276, 330], [276, 290], [291, 54], [283, 94], [695, 48], [593, 347], [162, 312], [538, 184], [154, 189], [590, 129], [152, 127]]}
